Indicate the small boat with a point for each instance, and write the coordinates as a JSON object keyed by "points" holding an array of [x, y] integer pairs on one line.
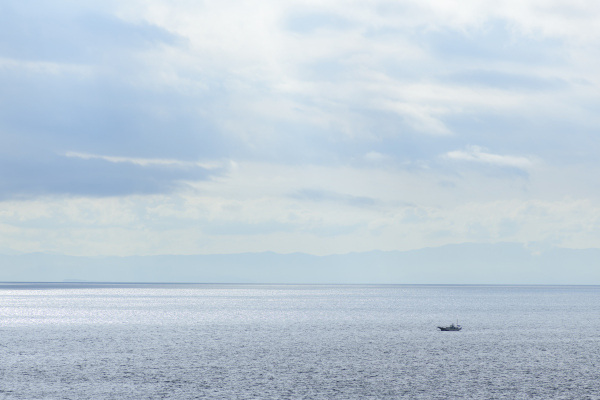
{"points": [[452, 327]]}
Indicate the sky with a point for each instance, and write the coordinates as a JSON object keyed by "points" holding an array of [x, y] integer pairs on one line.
{"points": [[211, 127]]}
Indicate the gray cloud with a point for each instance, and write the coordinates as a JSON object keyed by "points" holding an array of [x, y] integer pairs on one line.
{"points": [[86, 101], [57, 175], [104, 115], [45, 116], [51, 35]]}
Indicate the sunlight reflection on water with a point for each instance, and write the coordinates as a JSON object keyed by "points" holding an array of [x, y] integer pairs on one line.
{"points": [[269, 341]]}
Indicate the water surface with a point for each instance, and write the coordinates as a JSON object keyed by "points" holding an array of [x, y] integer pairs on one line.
{"points": [[152, 341]]}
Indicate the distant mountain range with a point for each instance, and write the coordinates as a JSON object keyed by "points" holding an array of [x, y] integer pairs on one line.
{"points": [[467, 263]]}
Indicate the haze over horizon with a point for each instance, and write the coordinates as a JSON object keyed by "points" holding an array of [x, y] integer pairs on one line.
{"points": [[219, 127]]}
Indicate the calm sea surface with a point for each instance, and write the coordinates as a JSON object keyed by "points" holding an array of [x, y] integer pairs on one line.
{"points": [[86, 341]]}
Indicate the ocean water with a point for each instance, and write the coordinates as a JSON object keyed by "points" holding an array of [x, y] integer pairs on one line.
{"points": [[95, 341]]}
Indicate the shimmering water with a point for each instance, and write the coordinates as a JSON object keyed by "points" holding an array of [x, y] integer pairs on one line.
{"points": [[77, 341]]}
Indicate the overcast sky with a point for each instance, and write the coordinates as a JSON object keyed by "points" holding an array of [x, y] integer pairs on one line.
{"points": [[194, 127]]}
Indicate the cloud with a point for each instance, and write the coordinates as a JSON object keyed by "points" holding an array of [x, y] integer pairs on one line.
{"points": [[421, 118], [494, 40], [244, 228], [336, 114], [190, 83], [94, 176], [74, 83], [131, 225], [81, 36], [504, 80], [308, 23], [479, 155], [324, 195], [375, 156], [144, 162]]}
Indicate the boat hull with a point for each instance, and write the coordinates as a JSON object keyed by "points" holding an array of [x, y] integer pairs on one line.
{"points": [[451, 328]]}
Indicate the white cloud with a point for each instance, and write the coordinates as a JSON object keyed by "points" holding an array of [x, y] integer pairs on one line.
{"points": [[478, 154], [44, 67], [144, 162], [375, 156]]}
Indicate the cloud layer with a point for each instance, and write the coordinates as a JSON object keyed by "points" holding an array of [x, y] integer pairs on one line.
{"points": [[287, 125]]}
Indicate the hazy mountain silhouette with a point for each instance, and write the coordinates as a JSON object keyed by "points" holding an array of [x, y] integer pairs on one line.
{"points": [[467, 263]]}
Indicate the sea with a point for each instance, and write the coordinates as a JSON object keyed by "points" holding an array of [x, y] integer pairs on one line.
{"points": [[209, 341]]}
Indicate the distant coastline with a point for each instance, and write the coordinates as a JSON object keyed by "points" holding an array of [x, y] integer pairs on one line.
{"points": [[467, 263]]}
